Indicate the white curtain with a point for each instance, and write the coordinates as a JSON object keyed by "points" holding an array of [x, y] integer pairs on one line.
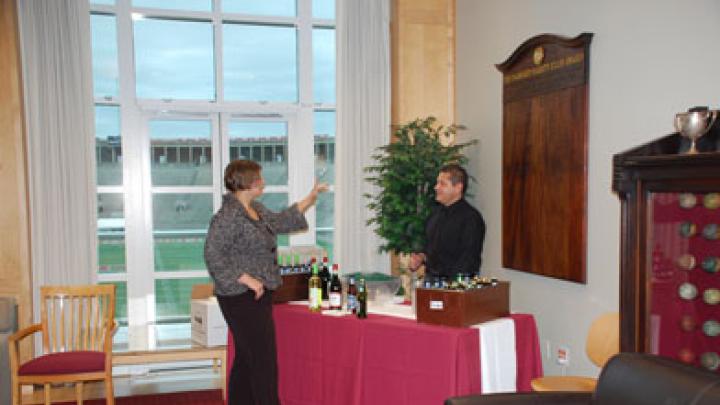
{"points": [[363, 124], [57, 75]]}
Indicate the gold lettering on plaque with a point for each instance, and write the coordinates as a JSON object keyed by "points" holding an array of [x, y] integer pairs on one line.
{"points": [[544, 68]]}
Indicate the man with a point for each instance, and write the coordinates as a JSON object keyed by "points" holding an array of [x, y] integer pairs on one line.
{"points": [[455, 230]]}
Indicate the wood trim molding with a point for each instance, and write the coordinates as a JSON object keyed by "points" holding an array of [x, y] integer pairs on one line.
{"points": [[423, 60], [15, 269]]}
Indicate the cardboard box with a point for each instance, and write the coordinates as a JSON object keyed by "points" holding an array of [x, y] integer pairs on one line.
{"points": [[207, 325], [463, 307]]}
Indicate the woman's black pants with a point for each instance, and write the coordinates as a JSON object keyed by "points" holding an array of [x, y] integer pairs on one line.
{"points": [[254, 375]]}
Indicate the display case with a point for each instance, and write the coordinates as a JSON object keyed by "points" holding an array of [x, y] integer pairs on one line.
{"points": [[670, 250]]}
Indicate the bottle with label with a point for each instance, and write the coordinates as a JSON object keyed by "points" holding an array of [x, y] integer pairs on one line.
{"points": [[325, 277], [335, 294], [315, 291], [352, 295], [362, 300]]}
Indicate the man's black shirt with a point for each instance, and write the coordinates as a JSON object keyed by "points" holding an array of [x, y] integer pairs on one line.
{"points": [[455, 236]]}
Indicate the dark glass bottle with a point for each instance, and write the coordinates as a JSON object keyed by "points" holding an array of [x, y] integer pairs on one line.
{"points": [[352, 295], [325, 277], [335, 294], [362, 300]]}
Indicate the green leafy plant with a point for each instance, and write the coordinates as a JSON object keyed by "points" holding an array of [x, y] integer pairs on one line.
{"points": [[405, 172]]}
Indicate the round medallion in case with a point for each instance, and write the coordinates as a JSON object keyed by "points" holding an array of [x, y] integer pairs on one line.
{"points": [[686, 355], [686, 261], [711, 201], [711, 264], [687, 229], [710, 360], [711, 232], [687, 200], [711, 328], [687, 291], [711, 296], [687, 323]]}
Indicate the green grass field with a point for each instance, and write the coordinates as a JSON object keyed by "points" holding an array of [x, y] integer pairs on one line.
{"points": [[171, 254], [182, 219]]}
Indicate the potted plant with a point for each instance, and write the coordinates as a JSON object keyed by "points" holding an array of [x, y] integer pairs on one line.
{"points": [[405, 173]]}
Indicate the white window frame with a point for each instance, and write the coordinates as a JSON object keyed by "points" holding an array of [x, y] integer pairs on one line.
{"points": [[135, 115]]}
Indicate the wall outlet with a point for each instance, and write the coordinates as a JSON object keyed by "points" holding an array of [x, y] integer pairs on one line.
{"points": [[548, 350], [562, 355]]}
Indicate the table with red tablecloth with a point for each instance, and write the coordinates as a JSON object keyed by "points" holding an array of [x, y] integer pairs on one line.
{"points": [[333, 360]]}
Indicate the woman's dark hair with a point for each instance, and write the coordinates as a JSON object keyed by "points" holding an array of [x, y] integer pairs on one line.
{"points": [[240, 174], [457, 175]]}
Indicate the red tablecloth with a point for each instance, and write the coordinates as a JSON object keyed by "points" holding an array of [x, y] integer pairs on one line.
{"points": [[382, 360]]}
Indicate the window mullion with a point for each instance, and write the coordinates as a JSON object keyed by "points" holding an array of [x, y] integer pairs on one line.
{"points": [[220, 156], [218, 46], [138, 206], [301, 160]]}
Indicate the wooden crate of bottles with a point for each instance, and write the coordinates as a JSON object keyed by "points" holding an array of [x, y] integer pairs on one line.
{"points": [[294, 263], [463, 307], [293, 288]]}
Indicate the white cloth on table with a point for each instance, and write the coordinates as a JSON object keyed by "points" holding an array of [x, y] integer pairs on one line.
{"points": [[498, 363]]}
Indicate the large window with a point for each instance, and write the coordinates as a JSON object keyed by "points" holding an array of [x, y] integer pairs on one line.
{"points": [[181, 89]]}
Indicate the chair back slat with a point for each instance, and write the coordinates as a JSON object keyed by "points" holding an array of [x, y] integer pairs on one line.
{"points": [[62, 336], [75, 330], [77, 317], [72, 303], [86, 330]]}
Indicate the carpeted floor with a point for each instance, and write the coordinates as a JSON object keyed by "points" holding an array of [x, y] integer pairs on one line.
{"points": [[206, 397]]}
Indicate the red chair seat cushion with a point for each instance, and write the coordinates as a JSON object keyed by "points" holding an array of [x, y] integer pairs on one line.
{"points": [[64, 363]]}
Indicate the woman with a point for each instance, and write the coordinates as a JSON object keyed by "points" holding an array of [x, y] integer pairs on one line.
{"points": [[240, 253]]}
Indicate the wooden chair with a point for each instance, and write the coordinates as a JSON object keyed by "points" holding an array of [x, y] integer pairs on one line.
{"points": [[77, 326], [602, 343]]}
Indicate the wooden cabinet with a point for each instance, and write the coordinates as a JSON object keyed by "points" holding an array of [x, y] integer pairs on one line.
{"points": [[670, 250]]}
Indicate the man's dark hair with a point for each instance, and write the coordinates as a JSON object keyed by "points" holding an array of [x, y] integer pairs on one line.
{"points": [[240, 174], [457, 175]]}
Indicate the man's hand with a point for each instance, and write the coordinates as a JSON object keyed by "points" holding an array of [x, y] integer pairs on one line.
{"points": [[416, 260], [253, 284]]}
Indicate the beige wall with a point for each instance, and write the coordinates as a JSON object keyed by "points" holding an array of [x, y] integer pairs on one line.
{"points": [[14, 239], [423, 60], [649, 59]]}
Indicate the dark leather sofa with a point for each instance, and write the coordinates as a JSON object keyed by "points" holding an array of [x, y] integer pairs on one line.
{"points": [[627, 379]]}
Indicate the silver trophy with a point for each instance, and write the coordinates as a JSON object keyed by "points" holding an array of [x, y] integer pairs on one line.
{"points": [[694, 124]]}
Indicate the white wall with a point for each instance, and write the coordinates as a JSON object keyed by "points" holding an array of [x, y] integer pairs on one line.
{"points": [[648, 60]]}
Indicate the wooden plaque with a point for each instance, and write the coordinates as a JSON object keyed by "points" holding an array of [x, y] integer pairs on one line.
{"points": [[545, 119], [462, 308]]}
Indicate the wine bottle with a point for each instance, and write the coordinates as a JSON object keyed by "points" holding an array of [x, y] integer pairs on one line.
{"points": [[335, 294], [297, 266], [325, 277], [362, 300], [315, 291], [352, 295], [288, 264]]}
